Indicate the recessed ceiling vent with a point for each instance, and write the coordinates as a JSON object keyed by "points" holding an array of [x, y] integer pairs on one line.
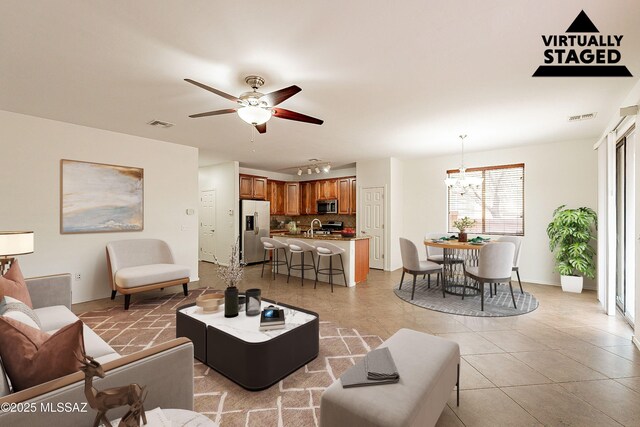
{"points": [[579, 117], [160, 124]]}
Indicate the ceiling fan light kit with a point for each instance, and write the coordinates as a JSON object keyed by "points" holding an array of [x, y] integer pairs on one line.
{"points": [[256, 108]]}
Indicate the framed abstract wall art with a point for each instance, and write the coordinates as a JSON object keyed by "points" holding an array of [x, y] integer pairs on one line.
{"points": [[100, 198]]}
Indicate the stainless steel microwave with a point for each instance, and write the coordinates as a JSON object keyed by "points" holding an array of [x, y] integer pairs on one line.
{"points": [[327, 206]]}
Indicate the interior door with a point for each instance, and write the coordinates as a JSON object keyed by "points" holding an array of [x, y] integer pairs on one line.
{"points": [[207, 225], [372, 224]]}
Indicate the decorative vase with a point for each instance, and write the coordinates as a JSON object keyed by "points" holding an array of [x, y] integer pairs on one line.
{"points": [[231, 301], [462, 237], [253, 304], [571, 283]]}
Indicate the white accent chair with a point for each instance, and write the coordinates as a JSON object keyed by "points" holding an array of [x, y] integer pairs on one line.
{"points": [[516, 257], [272, 246], [494, 266], [139, 265], [329, 250], [411, 264], [300, 247]]}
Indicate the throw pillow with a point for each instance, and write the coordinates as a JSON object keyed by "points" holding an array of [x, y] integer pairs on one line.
{"points": [[31, 357], [17, 310], [13, 284]]}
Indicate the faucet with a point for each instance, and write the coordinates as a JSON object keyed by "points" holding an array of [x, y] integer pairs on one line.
{"points": [[313, 222]]}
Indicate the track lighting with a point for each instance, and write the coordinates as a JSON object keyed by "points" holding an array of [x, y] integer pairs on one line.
{"points": [[317, 169], [299, 172], [308, 171], [327, 168]]}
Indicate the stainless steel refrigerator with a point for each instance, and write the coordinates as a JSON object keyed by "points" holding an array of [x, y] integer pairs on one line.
{"points": [[254, 224]]}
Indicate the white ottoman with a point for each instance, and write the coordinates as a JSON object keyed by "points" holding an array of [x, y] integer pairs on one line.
{"points": [[429, 368]]}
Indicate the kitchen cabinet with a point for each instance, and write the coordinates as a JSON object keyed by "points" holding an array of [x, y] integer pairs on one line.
{"points": [[347, 196], [328, 189], [344, 196], [275, 195], [291, 198], [308, 198], [253, 187], [353, 201]]}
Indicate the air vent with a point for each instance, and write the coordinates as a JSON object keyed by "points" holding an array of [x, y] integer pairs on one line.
{"points": [[579, 117], [160, 123]]}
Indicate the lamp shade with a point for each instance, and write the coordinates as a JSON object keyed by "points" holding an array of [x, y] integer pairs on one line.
{"points": [[254, 115], [16, 243]]}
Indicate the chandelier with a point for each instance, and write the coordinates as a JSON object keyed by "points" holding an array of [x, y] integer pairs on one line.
{"points": [[462, 182]]}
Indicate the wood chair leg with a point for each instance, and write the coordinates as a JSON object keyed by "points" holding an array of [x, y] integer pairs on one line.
{"points": [[343, 273], [264, 260], [113, 295], [428, 281], [482, 295], [519, 282], [512, 297], [413, 291], [401, 280], [127, 300], [290, 266], [315, 268], [185, 289]]}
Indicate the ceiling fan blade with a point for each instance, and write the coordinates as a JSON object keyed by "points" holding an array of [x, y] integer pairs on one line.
{"points": [[292, 115], [216, 91], [275, 98], [213, 113], [262, 128]]}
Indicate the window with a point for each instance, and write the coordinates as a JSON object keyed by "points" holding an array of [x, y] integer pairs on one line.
{"points": [[497, 204]]}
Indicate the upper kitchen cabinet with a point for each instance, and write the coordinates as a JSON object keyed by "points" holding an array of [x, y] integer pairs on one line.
{"points": [[347, 196], [353, 202], [253, 187], [275, 195], [328, 189], [308, 197], [291, 198]]}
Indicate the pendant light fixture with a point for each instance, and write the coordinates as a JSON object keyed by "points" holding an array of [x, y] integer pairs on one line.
{"points": [[463, 182]]}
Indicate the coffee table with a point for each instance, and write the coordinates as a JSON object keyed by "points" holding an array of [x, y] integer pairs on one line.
{"points": [[238, 350]]}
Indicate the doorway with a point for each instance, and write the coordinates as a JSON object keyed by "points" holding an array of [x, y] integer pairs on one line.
{"points": [[207, 225], [621, 290], [372, 224]]}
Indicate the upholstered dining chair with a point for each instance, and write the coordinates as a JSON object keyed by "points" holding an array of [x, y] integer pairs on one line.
{"points": [[495, 261], [411, 264], [516, 257]]}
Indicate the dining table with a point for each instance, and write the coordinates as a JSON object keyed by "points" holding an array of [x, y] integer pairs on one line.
{"points": [[457, 255]]}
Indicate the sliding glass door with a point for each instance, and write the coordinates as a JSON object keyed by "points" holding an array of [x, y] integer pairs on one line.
{"points": [[621, 288]]}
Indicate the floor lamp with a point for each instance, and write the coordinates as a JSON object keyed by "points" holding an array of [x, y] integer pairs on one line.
{"points": [[14, 243]]}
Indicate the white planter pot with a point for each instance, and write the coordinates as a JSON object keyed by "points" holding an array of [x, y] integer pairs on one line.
{"points": [[571, 283]]}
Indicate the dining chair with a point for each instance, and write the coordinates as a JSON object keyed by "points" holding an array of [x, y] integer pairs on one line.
{"points": [[495, 261], [516, 257], [411, 264]]}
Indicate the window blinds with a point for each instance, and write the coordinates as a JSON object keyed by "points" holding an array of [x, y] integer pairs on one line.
{"points": [[497, 205]]}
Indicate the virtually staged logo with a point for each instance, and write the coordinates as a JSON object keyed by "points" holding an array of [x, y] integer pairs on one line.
{"points": [[582, 52]]}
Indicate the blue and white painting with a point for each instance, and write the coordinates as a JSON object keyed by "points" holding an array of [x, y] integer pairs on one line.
{"points": [[100, 198]]}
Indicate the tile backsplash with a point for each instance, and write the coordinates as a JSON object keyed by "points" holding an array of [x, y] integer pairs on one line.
{"points": [[304, 221]]}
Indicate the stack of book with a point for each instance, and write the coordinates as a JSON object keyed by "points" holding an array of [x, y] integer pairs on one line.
{"points": [[271, 318], [377, 367]]}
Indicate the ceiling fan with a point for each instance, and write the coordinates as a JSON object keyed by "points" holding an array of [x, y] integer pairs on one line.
{"points": [[257, 108]]}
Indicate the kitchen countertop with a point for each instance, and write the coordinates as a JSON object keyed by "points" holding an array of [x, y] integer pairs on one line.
{"points": [[318, 237]]}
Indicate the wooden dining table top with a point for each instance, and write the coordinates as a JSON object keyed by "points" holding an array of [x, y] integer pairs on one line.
{"points": [[452, 244]]}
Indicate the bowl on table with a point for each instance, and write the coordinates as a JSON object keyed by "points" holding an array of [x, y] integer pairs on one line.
{"points": [[210, 303]]}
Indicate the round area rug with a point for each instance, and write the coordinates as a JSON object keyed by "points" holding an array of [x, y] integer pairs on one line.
{"points": [[499, 305]]}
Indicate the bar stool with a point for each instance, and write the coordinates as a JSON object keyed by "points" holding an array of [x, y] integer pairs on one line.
{"points": [[329, 250], [301, 247], [272, 246]]}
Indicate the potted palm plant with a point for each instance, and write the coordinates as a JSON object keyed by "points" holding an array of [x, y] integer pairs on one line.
{"points": [[462, 225], [570, 235]]}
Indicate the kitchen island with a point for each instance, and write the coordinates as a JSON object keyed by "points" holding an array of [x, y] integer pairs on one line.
{"points": [[355, 257]]}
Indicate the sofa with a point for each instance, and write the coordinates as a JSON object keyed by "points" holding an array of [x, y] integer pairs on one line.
{"points": [[139, 265], [166, 369]]}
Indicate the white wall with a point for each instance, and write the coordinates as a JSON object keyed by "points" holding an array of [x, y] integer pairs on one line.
{"points": [[30, 176], [555, 174], [386, 173], [224, 179], [278, 176]]}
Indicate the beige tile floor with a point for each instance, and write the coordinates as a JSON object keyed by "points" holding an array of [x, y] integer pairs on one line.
{"points": [[565, 364]]}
